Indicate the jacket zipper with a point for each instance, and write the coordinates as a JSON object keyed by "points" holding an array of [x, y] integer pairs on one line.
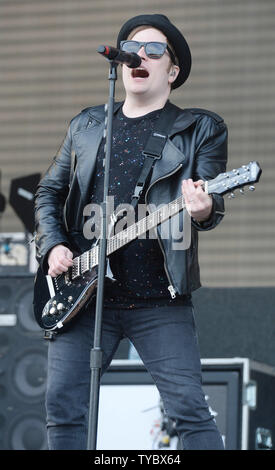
{"points": [[64, 215], [171, 288]]}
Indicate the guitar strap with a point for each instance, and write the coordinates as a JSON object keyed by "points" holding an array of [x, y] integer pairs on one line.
{"points": [[154, 147]]}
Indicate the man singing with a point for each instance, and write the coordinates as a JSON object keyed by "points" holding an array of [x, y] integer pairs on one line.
{"points": [[150, 300]]}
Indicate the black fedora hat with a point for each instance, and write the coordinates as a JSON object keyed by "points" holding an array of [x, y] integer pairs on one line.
{"points": [[174, 36]]}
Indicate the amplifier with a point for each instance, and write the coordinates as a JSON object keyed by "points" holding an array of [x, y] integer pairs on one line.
{"points": [[23, 368], [238, 391]]}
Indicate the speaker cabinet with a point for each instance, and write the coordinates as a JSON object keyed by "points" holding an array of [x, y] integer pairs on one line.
{"points": [[23, 358]]}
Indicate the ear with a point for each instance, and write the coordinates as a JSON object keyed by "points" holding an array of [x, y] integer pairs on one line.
{"points": [[173, 73]]}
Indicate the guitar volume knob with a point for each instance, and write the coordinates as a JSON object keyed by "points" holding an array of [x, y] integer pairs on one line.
{"points": [[60, 306], [52, 311]]}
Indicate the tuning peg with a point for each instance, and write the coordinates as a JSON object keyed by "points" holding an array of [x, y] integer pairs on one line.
{"points": [[242, 190], [251, 188], [231, 196]]}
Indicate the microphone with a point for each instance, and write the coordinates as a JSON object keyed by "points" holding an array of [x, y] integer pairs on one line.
{"points": [[132, 60]]}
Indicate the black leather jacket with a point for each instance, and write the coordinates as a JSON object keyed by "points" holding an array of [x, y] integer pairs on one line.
{"points": [[196, 148]]}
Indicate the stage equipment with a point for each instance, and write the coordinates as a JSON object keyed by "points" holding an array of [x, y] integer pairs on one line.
{"points": [[22, 192], [239, 393], [23, 354], [14, 253]]}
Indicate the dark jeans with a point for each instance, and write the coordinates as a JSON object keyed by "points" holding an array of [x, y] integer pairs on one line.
{"points": [[166, 341]]}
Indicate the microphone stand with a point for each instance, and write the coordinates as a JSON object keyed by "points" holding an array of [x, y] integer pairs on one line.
{"points": [[96, 352]]}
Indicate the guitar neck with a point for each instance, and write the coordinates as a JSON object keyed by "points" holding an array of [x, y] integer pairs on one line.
{"points": [[89, 259], [144, 225]]}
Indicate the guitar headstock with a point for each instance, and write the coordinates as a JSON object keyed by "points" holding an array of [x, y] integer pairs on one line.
{"points": [[237, 178]]}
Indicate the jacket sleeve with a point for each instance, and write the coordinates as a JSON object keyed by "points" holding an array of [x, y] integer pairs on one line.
{"points": [[50, 199], [211, 159]]}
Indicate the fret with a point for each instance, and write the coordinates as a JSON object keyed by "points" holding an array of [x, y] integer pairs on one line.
{"points": [[114, 245], [89, 259], [149, 222], [139, 228], [162, 215], [85, 262], [82, 263], [133, 231], [94, 256], [110, 245], [142, 226]]}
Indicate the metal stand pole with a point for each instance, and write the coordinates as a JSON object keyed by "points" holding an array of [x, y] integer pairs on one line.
{"points": [[96, 352]]}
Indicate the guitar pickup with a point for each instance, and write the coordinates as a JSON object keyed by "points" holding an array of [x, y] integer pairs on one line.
{"points": [[76, 267], [85, 262]]}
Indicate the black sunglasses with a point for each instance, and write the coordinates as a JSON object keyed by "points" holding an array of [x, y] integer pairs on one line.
{"points": [[153, 50]]}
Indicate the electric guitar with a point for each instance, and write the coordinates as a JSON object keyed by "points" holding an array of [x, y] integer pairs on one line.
{"points": [[57, 300]]}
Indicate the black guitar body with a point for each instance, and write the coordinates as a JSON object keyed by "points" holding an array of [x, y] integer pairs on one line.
{"points": [[69, 297]]}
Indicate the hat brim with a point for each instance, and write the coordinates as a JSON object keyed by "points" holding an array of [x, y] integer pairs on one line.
{"points": [[174, 36]]}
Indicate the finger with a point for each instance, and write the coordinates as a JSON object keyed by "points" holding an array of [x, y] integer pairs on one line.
{"points": [[69, 254], [199, 183], [64, 259], [67, 261], [58, 268], [54, 272], [189, 191], [189, 183], [63, 265]]}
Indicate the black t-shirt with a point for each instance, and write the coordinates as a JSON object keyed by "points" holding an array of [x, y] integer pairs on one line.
{"points": [[138, 267]]}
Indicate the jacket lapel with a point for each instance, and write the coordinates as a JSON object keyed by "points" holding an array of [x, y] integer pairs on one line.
{"points": [[86, 143], [172, 157]]}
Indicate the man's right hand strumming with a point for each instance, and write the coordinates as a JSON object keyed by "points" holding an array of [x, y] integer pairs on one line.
{"points": [[59, 260]]}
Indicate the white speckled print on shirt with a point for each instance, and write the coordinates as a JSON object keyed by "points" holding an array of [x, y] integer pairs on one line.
{"points": [[138, 266]]}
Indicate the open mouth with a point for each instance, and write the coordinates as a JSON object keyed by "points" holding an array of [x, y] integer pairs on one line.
{"points": [[140, 73]]}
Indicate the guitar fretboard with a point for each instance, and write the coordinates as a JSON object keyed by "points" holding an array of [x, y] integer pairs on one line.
{"points": [[144, 225], [89, 259]]}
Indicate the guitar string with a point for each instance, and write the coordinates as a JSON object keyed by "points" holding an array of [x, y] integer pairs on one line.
{"points": [[129, 234]]}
